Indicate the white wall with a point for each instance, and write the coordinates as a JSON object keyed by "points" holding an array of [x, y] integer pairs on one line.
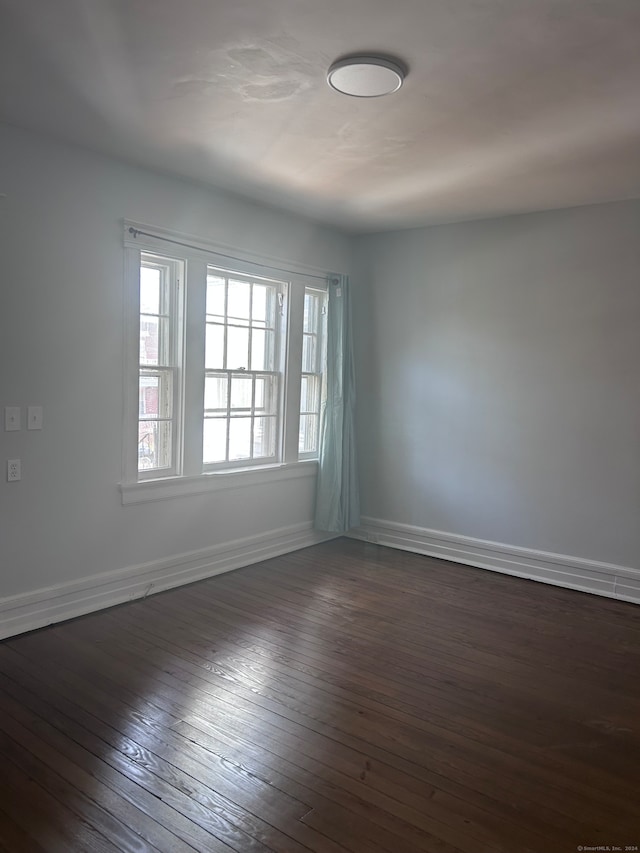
{"points": [[61, 331], [498, 366], [499, 380]]}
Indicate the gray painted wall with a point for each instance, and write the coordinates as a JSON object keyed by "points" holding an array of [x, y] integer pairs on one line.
{"points": [[499, 379], [61, 330]]}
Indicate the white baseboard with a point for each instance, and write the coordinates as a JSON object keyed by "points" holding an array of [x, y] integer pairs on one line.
{"points": [[559, 569], [31, 610]]}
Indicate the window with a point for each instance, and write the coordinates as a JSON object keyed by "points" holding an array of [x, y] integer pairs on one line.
{"points": [[312, 389], [242, 368], [230, 365], [158, 378]]}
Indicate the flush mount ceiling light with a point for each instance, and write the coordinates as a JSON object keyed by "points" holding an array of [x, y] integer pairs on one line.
{"points": [[366, 76]]}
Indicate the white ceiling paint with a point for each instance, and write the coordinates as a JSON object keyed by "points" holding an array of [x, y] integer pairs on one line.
{"points": [[509, 105]]}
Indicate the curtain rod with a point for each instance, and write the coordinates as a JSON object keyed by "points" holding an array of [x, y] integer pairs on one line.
{"points": [[136, 231]]}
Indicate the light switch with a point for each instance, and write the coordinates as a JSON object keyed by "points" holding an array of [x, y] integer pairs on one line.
{"points": [[11, 418], [34, 417]]}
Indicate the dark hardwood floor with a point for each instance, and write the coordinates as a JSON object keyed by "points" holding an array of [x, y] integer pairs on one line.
{"points": [[344, 697]]}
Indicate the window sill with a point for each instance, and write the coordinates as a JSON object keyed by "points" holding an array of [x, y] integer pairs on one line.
{"points": [[175, 487]]}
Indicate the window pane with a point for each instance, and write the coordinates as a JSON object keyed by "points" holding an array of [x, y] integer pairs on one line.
{"points": [[262, 350], [215, 392], [154, 395], [264, 438], [308, 441], [238, 300], [154, 340], [214, 440], [270, 360], [309, 354], [310, 312], [257, 350], [154, 445], [149, 291], [237, 347], [241, 388], [309, 394], [239, 438], [259, 312], [215, 295], [214, 346], [266, 394]]}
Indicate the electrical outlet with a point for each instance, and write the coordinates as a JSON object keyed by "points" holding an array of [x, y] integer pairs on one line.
{"points": [[13, 470]]}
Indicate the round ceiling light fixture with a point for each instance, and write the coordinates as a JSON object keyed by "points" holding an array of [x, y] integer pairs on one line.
{"points": [[366, 76]]}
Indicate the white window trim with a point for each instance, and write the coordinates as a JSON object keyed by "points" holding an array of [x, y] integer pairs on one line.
{"points": [[202, 252], [175, 487]]}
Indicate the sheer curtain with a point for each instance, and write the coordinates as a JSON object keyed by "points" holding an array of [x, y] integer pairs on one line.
{"points": [[337, 496]]}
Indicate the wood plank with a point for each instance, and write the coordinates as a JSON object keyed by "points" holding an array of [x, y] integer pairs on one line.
{"points": [[45, 817], [304, 742], [557, 773], [27, 752], [13, 838], [90, 773], [136, 752], [496, 703], [552, 794], [342, 698]]}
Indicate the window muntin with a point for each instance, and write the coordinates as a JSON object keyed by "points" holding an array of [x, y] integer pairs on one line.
{"points": [[312, 373], [242, 377], [159, 380]]}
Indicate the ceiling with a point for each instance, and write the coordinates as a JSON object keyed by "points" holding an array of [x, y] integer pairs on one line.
{"points": [[509, 105]]}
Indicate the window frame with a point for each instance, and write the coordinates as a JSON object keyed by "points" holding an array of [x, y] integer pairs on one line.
{"points": [[175, 272], [189, 474], [281, 329]]}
